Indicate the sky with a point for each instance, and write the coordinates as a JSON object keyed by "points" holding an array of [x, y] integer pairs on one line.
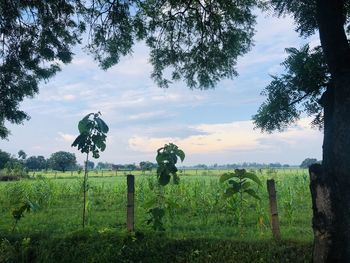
{"points": [[211, 126]]}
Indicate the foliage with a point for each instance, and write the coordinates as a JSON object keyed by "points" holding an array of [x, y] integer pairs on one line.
{"points": [[198, 41], [15, 168], [104, 166], [240, 183], [156, 218], [36, 163], [297, 90], [303, 12], [167, 157], [194, 208], [4, 158], [62, 161], [147, 166], [22, 155], [92, 138], [90, 165], [18, 213], [113, 247], [307, 162], [36, 37]]}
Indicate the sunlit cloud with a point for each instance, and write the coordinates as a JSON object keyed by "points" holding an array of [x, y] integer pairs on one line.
{"points": [[66, 137], [236, 136]]}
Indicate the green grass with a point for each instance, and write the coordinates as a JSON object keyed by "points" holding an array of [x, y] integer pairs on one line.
{"points": [[201, 226], [195, 207], [90, 246]]}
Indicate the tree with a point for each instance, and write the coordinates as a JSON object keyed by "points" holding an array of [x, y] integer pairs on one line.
{"points": [[35, 37], [4, 158], [130, 167], [319, 79], [62, 161], [308, 162], [199, 41], [36, 163], [90, 165], [22, 155], [147, 166], [104, 166], [91, 139]]}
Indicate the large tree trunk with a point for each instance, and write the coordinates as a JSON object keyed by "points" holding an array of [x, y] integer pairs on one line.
{"points": [[330, 184]]}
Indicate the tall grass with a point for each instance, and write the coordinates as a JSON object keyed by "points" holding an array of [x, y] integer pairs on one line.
{"points": [[195, 208]]}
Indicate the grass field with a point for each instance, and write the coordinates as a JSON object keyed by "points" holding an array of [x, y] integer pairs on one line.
{"points": [[195, 207], [201, 225]]}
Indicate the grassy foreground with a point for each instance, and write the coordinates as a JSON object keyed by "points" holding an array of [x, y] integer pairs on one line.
{"points": [[115, 247], [201, 225]]}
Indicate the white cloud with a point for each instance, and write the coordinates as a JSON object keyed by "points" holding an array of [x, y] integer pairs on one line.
{"points": [[148, 115], [66, 137], [235, 136]]}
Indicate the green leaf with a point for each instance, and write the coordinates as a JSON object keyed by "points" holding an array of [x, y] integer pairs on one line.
{"points": [[245, 185], [83, 124], [161, 158], [226, 176], [252, 193], [235, 185], [229, 192], [253, 177], [80, 140], [181, 154], [240, 172], [99, 141], [164, 179], [102, 125], [148, 204]]}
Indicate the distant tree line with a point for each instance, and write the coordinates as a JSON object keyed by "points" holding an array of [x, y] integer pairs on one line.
{"points": [[65, 161], [308, 162], [239, 165], [60, 161]]}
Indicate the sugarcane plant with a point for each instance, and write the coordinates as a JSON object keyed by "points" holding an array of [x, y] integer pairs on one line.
{"points": [[240, 183], [91, 140]]}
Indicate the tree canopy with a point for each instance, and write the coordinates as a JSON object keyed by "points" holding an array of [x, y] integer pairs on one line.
{"points": [[36, 163], [195, 41], [297, 90], [4, 158], [62, 161], [35, 37]]}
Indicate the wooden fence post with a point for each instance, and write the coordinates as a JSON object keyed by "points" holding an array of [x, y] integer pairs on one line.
{"points": [[130, 205], [273, 209]]}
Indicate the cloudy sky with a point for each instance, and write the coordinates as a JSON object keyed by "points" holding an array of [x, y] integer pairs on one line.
{"points": [[212, 126]]}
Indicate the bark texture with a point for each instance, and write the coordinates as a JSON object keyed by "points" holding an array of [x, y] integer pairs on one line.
{"points": [[330, 184]]}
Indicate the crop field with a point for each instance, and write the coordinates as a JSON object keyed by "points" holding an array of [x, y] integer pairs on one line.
{"points": [[195, 208]]}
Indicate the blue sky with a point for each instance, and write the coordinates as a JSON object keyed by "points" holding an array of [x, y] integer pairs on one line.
{"points": [[211, 126]]}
